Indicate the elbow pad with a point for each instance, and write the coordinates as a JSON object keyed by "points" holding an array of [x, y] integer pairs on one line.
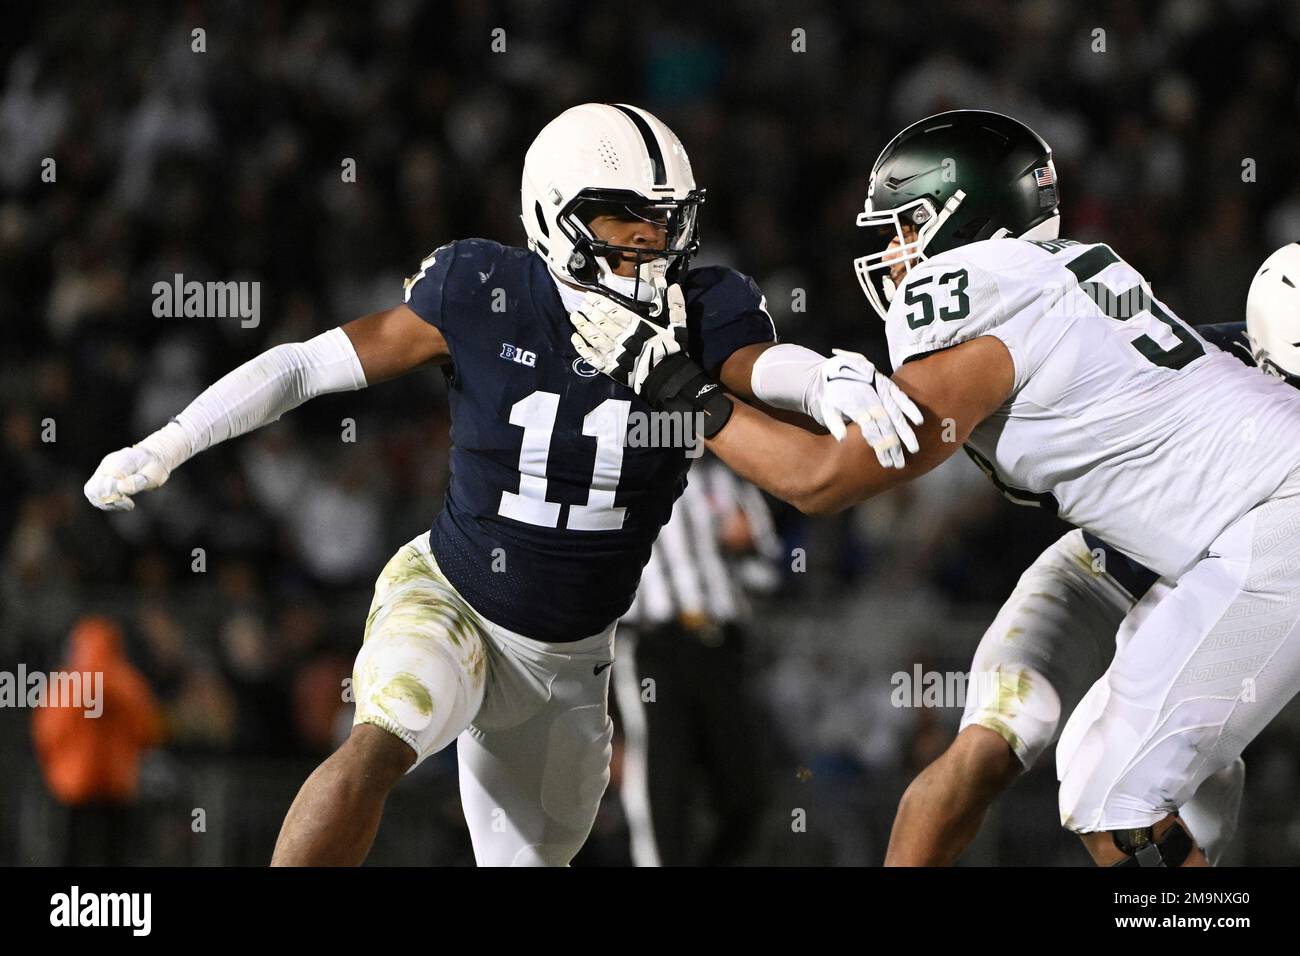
{"points": [[786, 376]]}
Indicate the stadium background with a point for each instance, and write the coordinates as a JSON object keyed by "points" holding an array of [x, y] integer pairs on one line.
{"points": [[226, 165]]}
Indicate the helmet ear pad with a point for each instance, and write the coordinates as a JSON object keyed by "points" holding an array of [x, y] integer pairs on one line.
{"points": [[582, 261]]}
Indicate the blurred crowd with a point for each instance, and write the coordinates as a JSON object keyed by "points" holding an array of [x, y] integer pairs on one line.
{"points": [[241, 586]]}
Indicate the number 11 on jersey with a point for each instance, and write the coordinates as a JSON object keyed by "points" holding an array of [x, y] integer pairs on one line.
{"points": [[607, 423]]}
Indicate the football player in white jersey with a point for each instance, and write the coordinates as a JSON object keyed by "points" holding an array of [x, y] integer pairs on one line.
{"points": [[1053, 362], [1056, 633]]}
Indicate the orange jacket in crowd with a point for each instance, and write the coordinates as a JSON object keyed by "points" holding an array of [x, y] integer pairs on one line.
{"points": [[97, 760]]}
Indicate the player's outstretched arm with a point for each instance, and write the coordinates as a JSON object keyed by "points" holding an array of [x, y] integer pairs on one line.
{"points": [[371, 349], [794, 384], [651, 359], [955, 389]]}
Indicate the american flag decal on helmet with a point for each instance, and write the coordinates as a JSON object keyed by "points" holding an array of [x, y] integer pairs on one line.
{"points": [[1044, 176]]}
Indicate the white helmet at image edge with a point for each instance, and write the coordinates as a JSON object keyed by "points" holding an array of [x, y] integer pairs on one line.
{"points": [[1273, 314]]}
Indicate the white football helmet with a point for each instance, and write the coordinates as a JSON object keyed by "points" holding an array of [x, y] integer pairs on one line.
{"points": [[1273, 314], [602, 158]]}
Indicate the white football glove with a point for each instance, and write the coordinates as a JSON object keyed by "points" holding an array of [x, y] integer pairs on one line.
{"points": [[124, 473], [622, 344], [849, 388]]}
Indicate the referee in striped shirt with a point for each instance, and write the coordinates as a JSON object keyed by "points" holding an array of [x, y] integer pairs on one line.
{"points": [[688, 726]]}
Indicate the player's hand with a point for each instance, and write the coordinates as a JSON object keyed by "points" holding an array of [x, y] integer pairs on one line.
{"points": [[849, 388], [624, 345], [124, 473]]}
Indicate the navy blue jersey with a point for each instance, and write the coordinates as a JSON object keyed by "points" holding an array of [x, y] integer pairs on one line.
{"points": [[1229, 336], [549, 518], [1137, 578]]}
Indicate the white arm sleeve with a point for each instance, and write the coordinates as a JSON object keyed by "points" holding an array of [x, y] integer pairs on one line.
{"points": [[785, 376], [258, 393]]}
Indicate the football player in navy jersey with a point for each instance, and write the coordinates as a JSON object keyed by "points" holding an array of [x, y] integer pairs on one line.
{"points": [[495, 628]]}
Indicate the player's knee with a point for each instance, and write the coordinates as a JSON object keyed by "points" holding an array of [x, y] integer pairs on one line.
{"points": [[419, 689], [1018, 705]]}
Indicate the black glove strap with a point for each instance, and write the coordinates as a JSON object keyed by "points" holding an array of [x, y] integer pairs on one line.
{"points": [[680, 386]]}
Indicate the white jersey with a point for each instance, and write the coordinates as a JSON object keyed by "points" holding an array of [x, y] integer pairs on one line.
{"points": [[1122, 419]]}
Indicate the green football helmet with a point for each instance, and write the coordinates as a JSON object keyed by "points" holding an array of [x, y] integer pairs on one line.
{"points": [[955, 178]]}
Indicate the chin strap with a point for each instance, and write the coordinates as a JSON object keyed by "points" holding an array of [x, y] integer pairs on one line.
{"points": [[1142, 849]]}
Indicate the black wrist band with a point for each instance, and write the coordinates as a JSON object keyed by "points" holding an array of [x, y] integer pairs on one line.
{"points": [[679, 385]]}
